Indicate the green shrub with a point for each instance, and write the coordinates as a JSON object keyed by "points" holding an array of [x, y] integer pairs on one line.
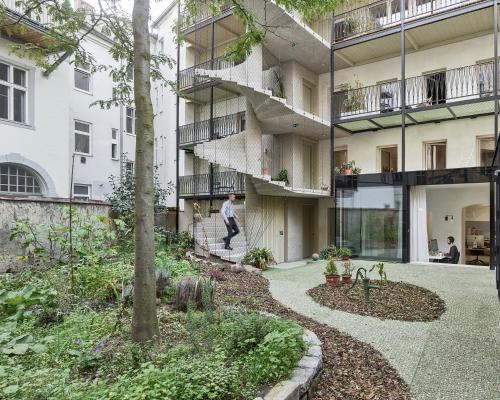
{"points": [[331, 268], [259, 257], [17, 305], [328, 252], [275, 356]]}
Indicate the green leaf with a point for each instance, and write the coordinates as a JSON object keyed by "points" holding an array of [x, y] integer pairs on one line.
{"points": [[18, 349], [12, 389]]}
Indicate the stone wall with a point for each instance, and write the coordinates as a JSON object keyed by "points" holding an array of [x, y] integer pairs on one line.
{"points": [[37, 210]]}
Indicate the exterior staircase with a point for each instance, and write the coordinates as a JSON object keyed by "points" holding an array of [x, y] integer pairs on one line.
{"points": [[208, 234]]}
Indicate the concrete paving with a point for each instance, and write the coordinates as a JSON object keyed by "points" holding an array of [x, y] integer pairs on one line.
{"points": [[454, 358]]}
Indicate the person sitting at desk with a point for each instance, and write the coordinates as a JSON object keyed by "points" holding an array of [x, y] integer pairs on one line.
{"points": [[453, 256]]}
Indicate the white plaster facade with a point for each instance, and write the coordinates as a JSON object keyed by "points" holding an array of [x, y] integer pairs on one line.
{"points": [[45, 144]]}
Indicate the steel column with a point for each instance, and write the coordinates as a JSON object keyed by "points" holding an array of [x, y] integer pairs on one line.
{"points": [[332, 131]]}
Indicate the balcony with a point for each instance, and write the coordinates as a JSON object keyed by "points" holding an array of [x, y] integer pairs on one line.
{"points": [[385, 14], [214, 184], [199, 132], [193, 77], [192, 21], [456, 93]]}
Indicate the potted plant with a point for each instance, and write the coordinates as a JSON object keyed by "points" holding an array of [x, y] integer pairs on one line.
{"points": [[332, 274], [324, 187], [282, 177], [348, 168], [328, 252], [346, 274], [344, 253], [259, 257]]}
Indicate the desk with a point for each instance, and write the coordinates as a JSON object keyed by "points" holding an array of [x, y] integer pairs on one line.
{"points": [[437, 258], [478, 251]]}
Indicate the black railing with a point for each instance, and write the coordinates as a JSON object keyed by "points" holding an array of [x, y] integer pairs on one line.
{"points": [[386, 13], [224, 126], [202, 14], [470, 82], [191, 76], [212, 184]]}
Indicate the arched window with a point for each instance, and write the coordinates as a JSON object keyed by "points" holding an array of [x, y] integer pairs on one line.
{"points": [[19, 180]]}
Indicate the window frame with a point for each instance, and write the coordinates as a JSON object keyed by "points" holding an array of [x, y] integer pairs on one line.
{"points": [[132, 119], [79, 196], [479, 139], [11, 88], [82, 69], [27, 173], [89, 134], [380, 149], [435, 142], [114, 142]]}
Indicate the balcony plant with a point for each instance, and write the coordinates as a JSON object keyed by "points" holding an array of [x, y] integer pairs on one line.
{"points": [[348, 168], [282, 177], [332, 274], [353, 100]]}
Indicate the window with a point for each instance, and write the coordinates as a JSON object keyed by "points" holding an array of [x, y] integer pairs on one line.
{"points": [[81, 192], [435, 87], [13, 93], [486, 148], [435, 155], [129, 168], [17, 179], [161, 45], [340, 156], [82, 78], [388, 159], [114, 144], [129, 120], [82, 137]]}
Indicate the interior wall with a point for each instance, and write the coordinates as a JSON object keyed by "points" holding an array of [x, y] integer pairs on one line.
{"points": [[450, 200]]}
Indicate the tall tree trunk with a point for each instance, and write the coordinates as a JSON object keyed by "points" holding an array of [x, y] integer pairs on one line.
{"points": [[144, 320]]}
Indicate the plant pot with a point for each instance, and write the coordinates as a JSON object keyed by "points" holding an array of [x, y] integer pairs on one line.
{"points": [[346, 279], [348, 171], [324, 188], [265, 171], [345, 258], [333, 280]]}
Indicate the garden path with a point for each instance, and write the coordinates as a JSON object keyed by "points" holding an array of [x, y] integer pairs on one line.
{"points": [[455, 357]]}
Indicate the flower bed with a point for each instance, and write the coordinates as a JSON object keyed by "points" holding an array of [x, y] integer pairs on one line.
{"points": [[394, 300]]}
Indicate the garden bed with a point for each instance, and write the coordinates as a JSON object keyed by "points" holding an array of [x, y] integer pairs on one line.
{"points": [[353, 370], [394, 300]]}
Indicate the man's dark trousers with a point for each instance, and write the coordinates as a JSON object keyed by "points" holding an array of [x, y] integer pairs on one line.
{"points": [[232, 230]]}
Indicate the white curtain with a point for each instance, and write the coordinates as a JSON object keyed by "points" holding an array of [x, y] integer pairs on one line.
{"points": [[419, 247]]}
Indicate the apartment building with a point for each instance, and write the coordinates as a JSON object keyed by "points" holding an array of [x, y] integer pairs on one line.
{"points": [[259, 128], [413, 104], [49, 129]]}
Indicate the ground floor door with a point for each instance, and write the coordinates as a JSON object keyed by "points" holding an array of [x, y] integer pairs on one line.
{"points": [[273, 226]]}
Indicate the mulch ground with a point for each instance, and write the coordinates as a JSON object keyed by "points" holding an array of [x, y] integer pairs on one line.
{"points": [[353, 370], [394, 300]]}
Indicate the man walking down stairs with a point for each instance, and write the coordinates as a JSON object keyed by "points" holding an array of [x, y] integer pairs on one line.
{"points": [[230, 217]]}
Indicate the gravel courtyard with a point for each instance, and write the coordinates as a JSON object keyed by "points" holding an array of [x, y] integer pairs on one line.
{"points": [[455, 357]]}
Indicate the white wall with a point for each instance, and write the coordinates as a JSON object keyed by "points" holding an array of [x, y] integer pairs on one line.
{"points": [[44, 141], [450, 200], [460, 135], [164, 105]]}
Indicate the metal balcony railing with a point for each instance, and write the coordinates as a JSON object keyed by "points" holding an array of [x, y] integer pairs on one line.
{"points": [[386, 13], [465, 83], [212, 184], [203, 13], [19, 8], [224, 126], [191, 76]]}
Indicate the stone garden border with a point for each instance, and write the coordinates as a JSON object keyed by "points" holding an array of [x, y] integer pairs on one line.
{"points": [[301, 384]]}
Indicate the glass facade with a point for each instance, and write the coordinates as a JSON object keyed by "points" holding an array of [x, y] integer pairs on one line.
{"points": [[369, 221]]}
